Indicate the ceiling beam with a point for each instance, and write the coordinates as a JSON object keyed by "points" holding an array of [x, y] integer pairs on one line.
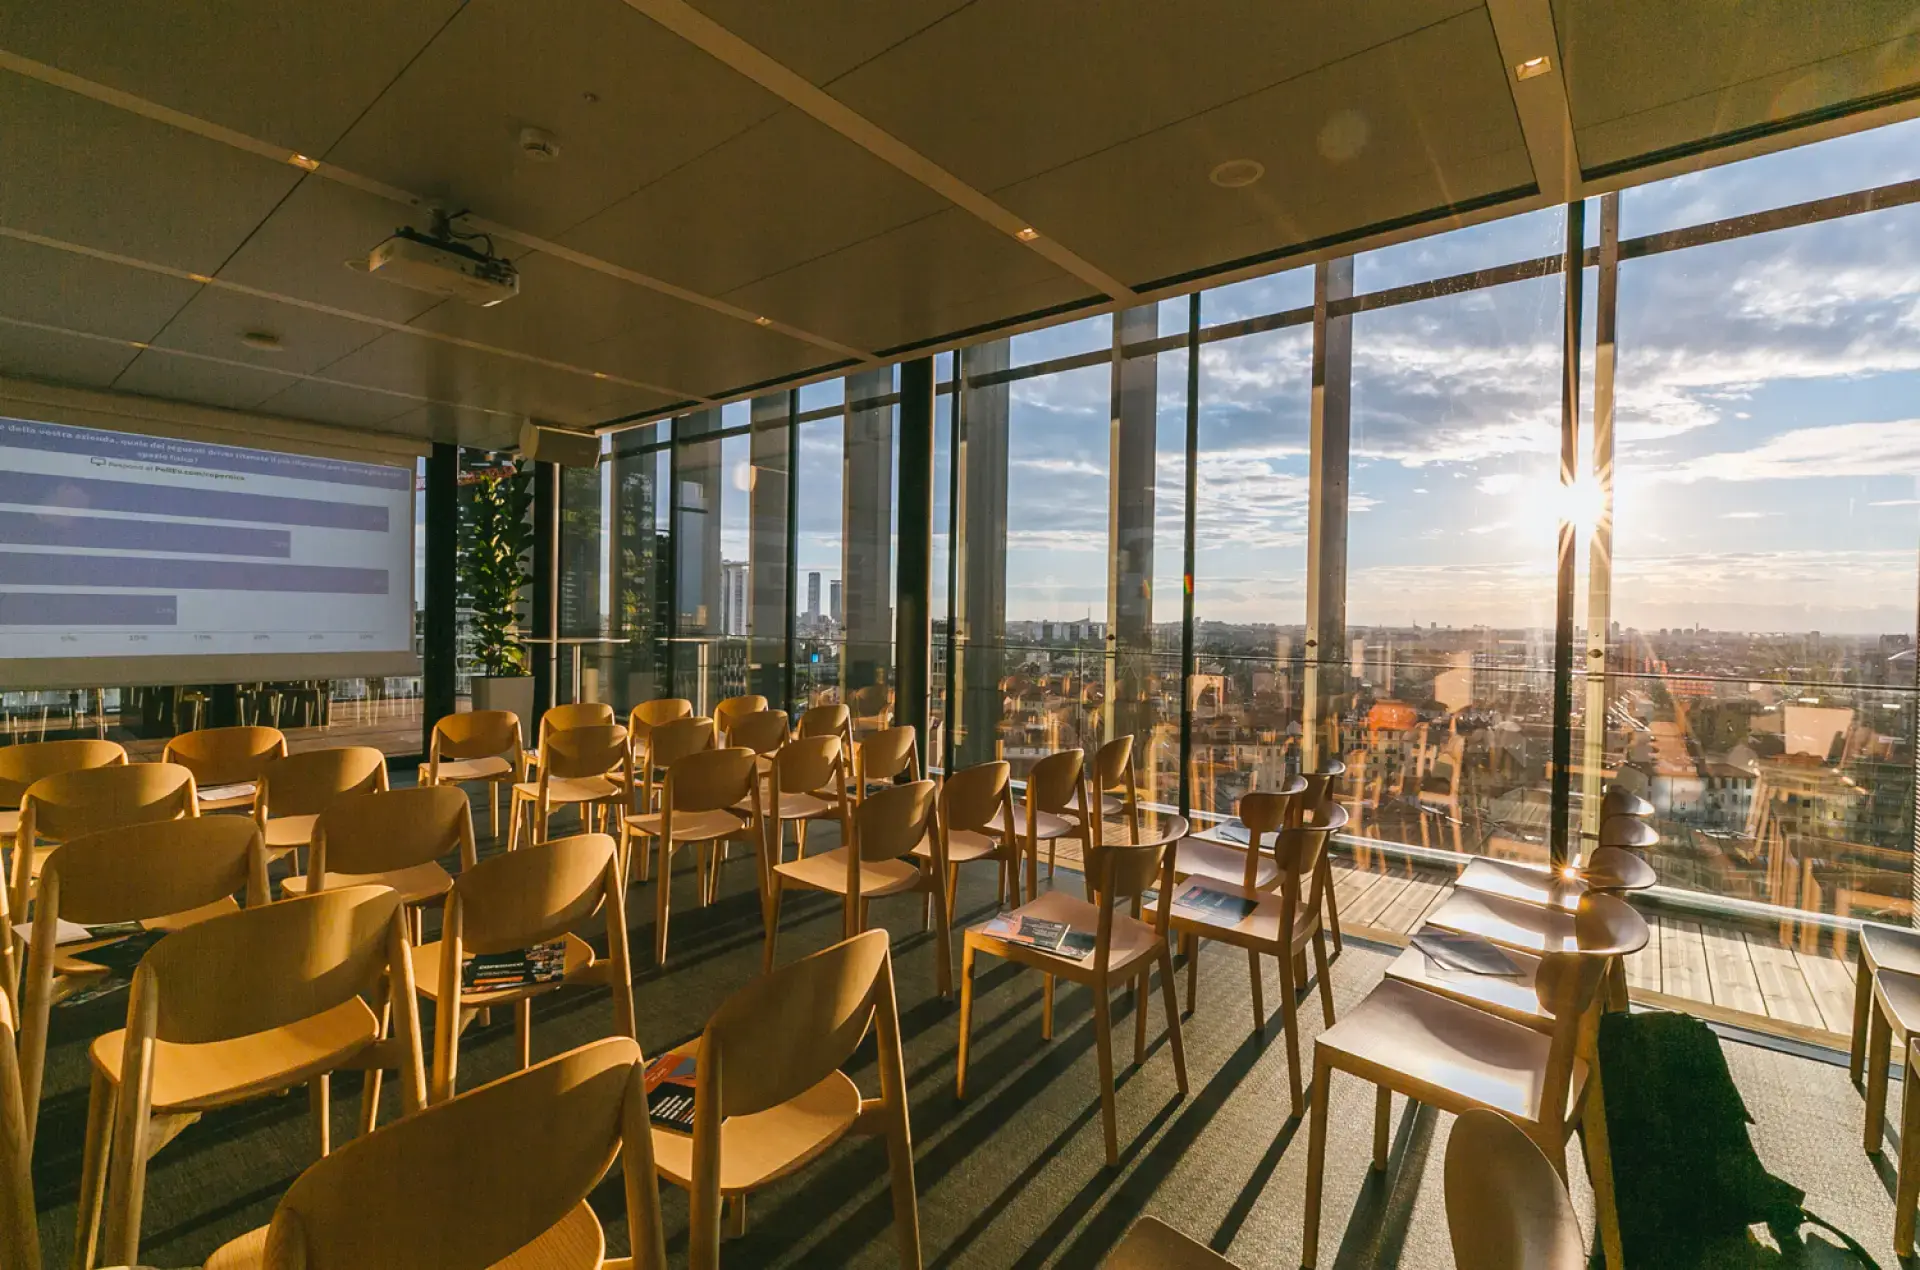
{"points": [[1524, 30], [107, 95], [802, 94]]}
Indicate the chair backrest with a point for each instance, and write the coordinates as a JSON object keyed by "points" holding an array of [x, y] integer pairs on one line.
{"points": [[780, 1036], [1315, 800], [19, 1233], [467, 1182], [266, 967], [87, 800], [22, 765], [1567, 985], [132, 873], [1609, 926], [477, 734], [1507, 1208], [1621, 801], [391, 829], [1112, 764], [1297, 850], [1121, 871], [649, 715], [597, 749], [1053, 783], [225, 756], [893, 822], [888, 753], [733, 709], [973, 796], [763, 731], [1615, 869], [1628, 831], [711, 780], [811, 765], [308, 782], [828, 720], [580, 714], [677, 738]]}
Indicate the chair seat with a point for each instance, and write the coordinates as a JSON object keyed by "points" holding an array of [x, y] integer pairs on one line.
{"points": [[1202, 858], [490, 768], [1511, 923], [963, 846], [219, 1073], [416, 885], [795, 806], [426, 974], [690, 826], [1133, 939], [575, 1242], [1112, 805], [1153, 1245], [225, 804], [1046, 825], [756, 1149], [1890, 948], [180, 921], [284, 833], [1509, 996], [1448, 1055], [569, 789], [1261, 926], [1530, 883], [827, 871]]}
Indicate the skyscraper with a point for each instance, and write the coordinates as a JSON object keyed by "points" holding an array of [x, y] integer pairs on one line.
{"points": [[833, 601], [813, 596], [733, 597]]}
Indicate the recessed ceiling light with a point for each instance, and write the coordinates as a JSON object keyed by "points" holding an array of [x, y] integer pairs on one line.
{"points": [[599, 374], [539, 145], [200, 278], [1237, 174], [1531, 67], [139, 343], [303, 162], [262, 341], [1027, 235], [763, 321]]}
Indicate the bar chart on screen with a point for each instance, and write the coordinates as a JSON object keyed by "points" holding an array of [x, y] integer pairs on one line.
{"points": [[125, 546]]}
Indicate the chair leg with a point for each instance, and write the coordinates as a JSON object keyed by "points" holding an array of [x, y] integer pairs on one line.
{"points": [[1033, 870], [493, 806], [773, 926], [523, 1031], [1046, 1008], [1862, 1004], [513, 822], [1165, 958], [1879, 1043], [1333, 909], [320, 1104], [1259, 1003], [1142, 982], [1908, 1191], [966, 1021], [1051, 852], [943, 946], [370, 1083], [1103, 1040], [94, 1153], [1290, 1020], [1190, 944], [1320, 972], [1382, 1125], [661, 888], [1316, 1165], [701, 853]]}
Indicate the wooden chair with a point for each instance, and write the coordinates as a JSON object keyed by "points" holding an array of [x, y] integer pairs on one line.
{"points": [[830, 720], [763, 732], [236, 1008], [1877, 947], [1607, 928], [1606, 869], [479, 745], [393, 838], [508, 902], [807, 782], [481, 1180], [1319, 803], [1628, 833], [1284, 921], [885, 756], [72, 804], [1439, 779], [1506, 1207], [22, 765], [644, 718], [1222, 861], [770, 1097], [875, 860], [731, 710], [1907, 1189], [1125, 950], [1055, 807], [579, 714], [588, 768], [226, 756], [1455, 1057], [1621, 801], [1151, 1244], [970, 799], [669, 743], [699, 804], [294, 790], [165, 875], [1111, 771], [19, 1230]]}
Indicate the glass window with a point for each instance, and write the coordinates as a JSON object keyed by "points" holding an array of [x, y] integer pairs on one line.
{"points": [[818, 599], [1498, 242], [828, 392], [1257, 297], [1087, 335]]}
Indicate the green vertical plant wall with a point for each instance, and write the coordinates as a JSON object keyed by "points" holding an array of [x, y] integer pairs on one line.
{"points": [[496, 541]]}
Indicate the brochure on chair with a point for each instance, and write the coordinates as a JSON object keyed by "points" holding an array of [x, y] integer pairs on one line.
{"points": [[1033, 932], [1201, 900], [66, 932], [670, 1082], [521, 968], [220, 793], [1464, 954]]}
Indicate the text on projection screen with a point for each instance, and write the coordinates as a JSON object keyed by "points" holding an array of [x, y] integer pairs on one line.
{"points": [[114, 545]]}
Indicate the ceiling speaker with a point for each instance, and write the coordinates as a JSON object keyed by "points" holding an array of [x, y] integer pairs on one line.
{"points": [[556, 445]]}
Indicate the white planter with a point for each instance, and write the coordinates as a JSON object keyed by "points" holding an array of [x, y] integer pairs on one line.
{"points": [[513, 693]]}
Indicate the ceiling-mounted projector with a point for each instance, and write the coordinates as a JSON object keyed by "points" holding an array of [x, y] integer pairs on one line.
{"points": [[445, 261]]}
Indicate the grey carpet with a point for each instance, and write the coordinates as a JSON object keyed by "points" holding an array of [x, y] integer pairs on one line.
{"points": [[1015, 1175]]}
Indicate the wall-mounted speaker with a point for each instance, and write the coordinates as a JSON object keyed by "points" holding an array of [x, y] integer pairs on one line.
{"points": [[556, 445]]}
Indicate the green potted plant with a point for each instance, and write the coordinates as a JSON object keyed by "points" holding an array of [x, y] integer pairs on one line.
{"points": [[496, 539]]}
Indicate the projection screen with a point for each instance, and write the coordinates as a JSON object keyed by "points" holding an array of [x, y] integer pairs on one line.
{"points": [[132, 559]]}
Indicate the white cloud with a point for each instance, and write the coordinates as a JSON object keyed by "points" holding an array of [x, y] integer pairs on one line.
{"points": [[1842, 449]]}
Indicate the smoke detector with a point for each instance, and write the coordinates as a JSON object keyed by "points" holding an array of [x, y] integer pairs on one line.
{"points": [[539, 145]]}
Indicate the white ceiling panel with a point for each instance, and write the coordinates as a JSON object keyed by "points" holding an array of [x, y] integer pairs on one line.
{"points": [[1006, 89], [293, 74], [824, 39], [82, 293], [84, 172], [61, 359], [215, 320], [332, 403], [156, 374], [1381, 135], [784, 192], [449, 128]]}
